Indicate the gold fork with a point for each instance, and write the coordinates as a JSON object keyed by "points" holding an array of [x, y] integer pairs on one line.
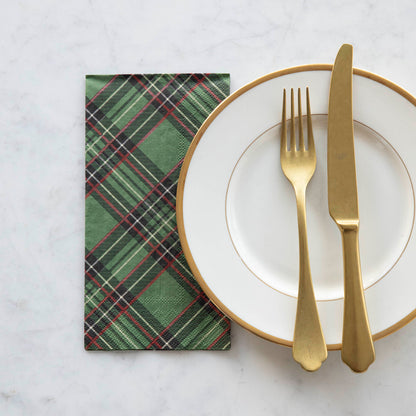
{"points": [[298, 165]]}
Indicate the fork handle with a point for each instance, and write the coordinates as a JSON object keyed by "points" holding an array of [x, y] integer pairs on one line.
{"points": [[357, 344], [309, 348]]}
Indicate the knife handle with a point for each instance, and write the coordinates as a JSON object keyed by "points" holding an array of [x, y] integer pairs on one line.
{"points": [[357, 343]]}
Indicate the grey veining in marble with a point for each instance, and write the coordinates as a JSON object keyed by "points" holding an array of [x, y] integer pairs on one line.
{"points": [[46, 48]]}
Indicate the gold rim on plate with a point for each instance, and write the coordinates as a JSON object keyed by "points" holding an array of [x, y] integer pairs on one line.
{"points": [[181, 187]]}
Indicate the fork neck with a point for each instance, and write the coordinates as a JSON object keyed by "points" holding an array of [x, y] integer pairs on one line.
{"points": [[300, 193], [301, 209]]}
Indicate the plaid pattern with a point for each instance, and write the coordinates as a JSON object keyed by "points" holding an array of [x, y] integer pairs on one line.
{"points": [[139, 291]]}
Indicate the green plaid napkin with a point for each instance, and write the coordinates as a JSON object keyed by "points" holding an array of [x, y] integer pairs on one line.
{"points": [[139, 291]]}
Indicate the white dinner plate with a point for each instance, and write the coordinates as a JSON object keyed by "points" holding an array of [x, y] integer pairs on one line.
{"points": [[237, 214]]}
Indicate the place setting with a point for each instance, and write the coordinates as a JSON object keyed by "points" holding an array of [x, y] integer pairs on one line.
{"points": [[287, 207], [347, 135]]}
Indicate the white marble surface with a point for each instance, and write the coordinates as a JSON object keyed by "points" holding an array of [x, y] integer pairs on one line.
{"points": [[46, 48]]}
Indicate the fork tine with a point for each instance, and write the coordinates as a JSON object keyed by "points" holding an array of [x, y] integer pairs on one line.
{"points": [[283, 134], [300, 125], [311, 143], [292, 146]]}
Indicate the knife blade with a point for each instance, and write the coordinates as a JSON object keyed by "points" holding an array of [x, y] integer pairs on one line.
{"points": [[357, 345], [342, 182]]}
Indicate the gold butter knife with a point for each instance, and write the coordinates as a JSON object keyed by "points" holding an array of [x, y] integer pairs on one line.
{"points": [[357, 344]]}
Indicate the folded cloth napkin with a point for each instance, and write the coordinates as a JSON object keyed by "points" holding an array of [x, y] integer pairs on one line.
{"points": [[139, 290]]}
